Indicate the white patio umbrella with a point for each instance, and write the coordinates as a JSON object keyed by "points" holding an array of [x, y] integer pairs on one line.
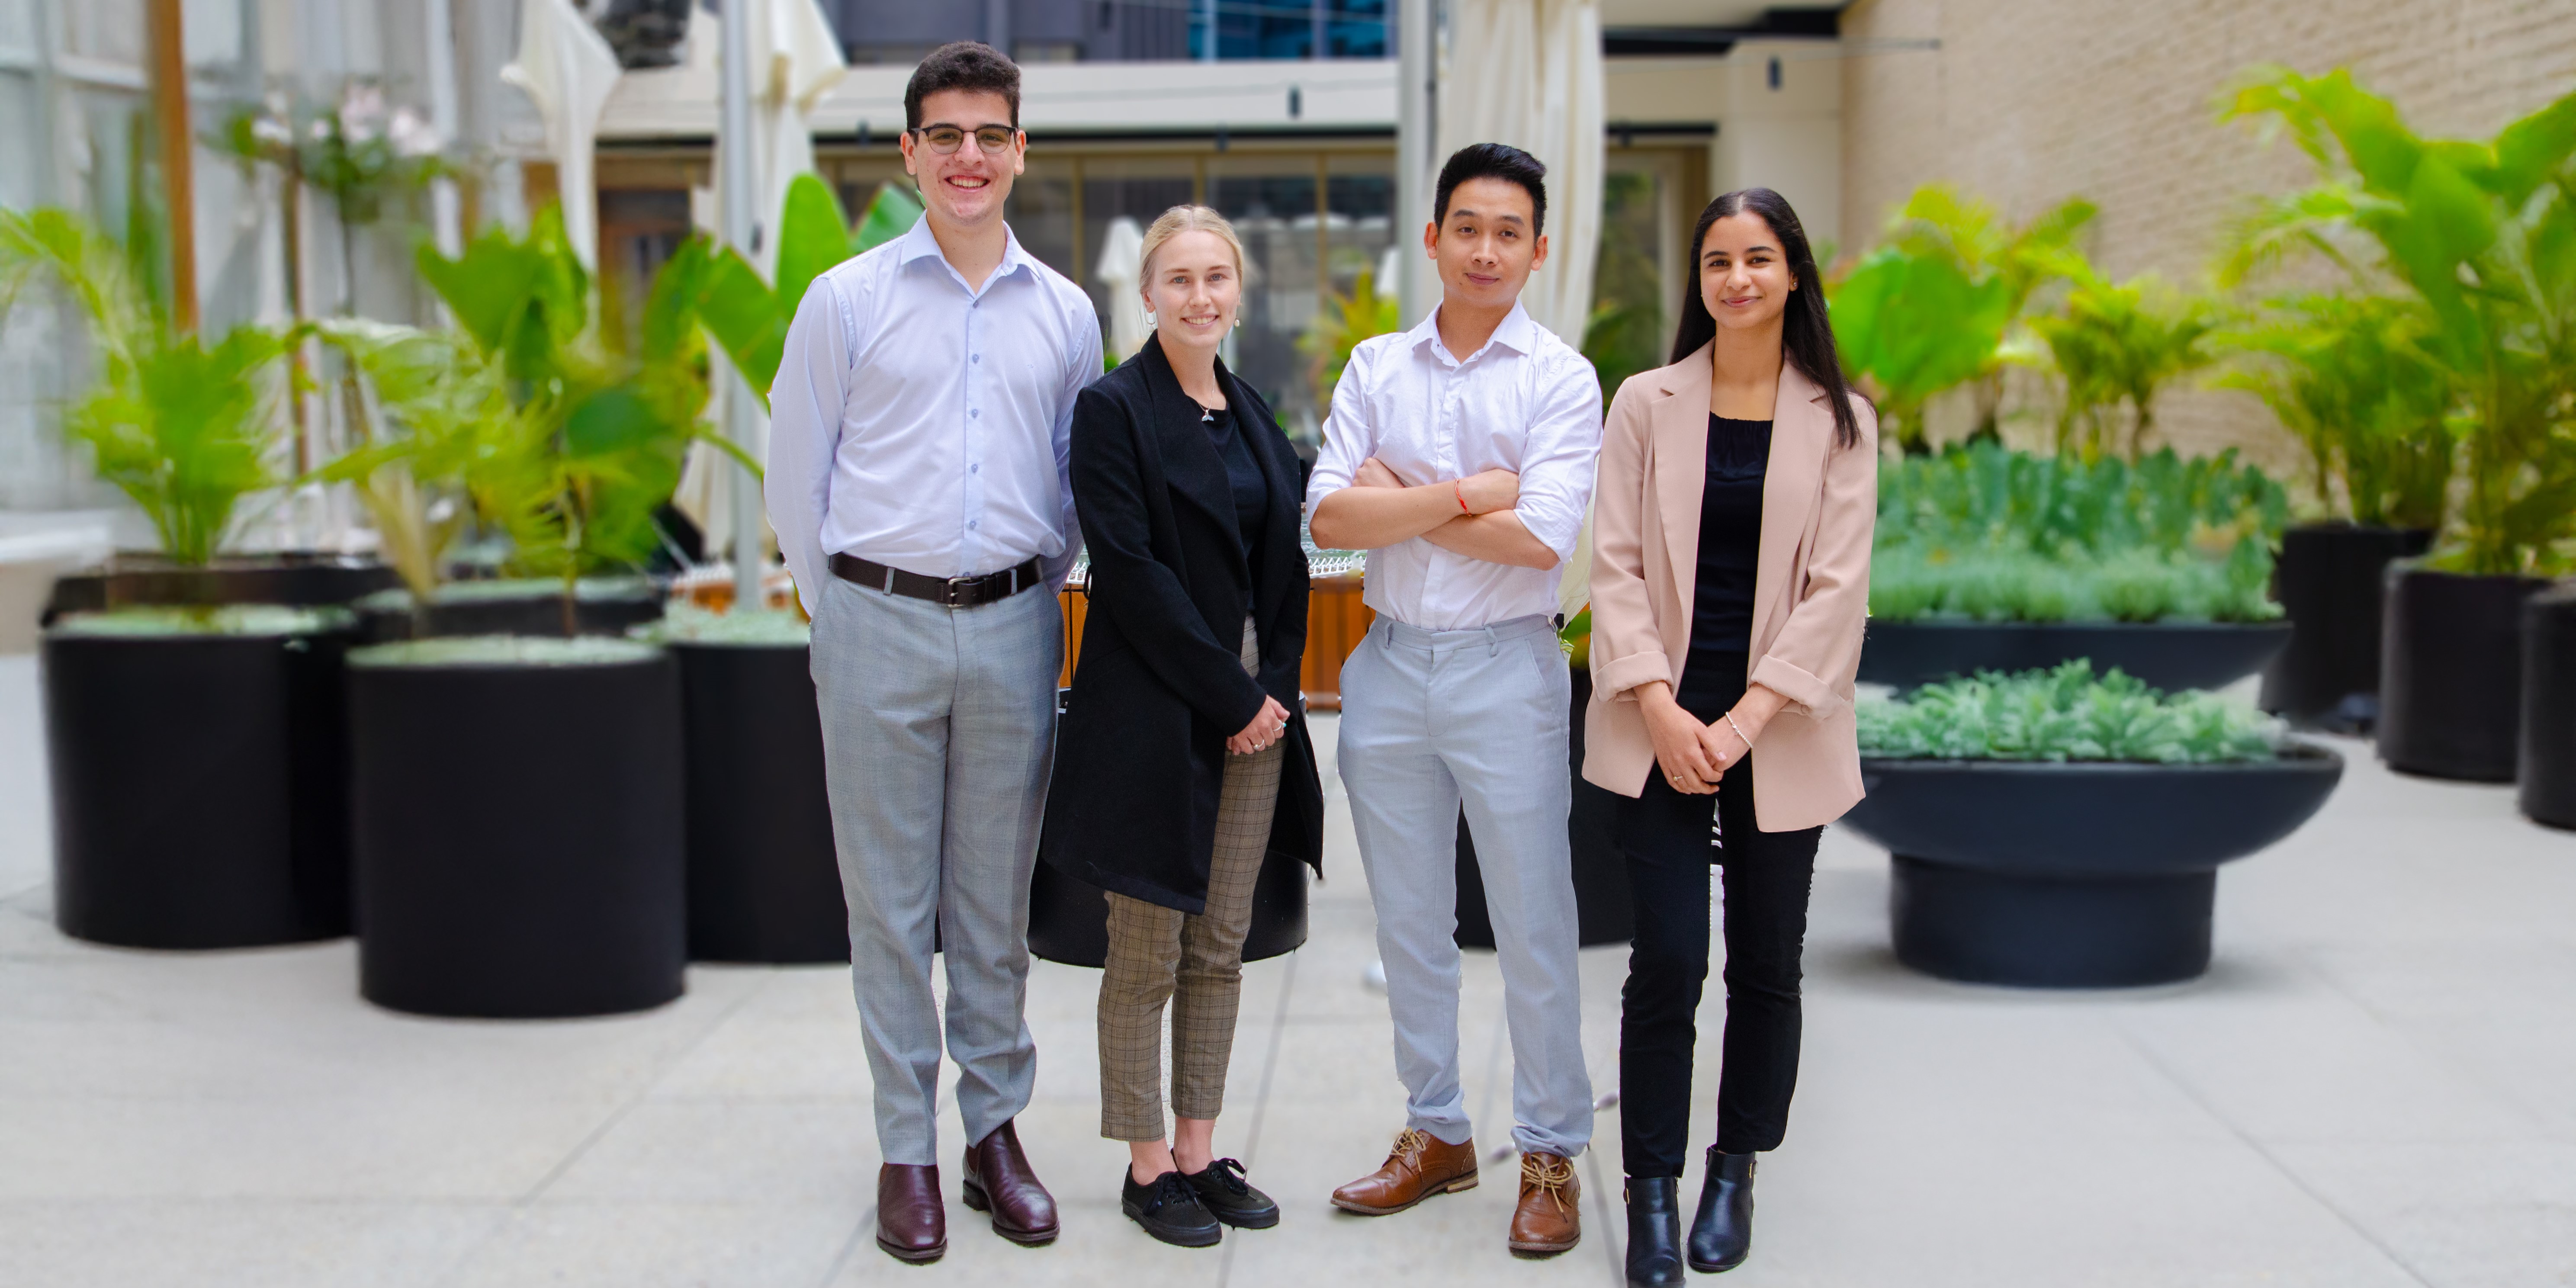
{"points": [[794, 58], [1528, 73], [1122, 249], [568, 70]]}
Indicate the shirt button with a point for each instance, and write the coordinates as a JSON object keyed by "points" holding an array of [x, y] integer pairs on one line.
{"points": [[974, 413], [974, 469], [970, 524], [977, 358]]}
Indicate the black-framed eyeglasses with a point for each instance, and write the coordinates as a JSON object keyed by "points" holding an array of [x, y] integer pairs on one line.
{"points": [[945, 139]]}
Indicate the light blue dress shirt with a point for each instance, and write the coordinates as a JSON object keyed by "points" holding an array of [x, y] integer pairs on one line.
{"points": [[923, 424]]}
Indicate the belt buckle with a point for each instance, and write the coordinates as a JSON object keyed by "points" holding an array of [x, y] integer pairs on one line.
{"points": [[955, 591]]}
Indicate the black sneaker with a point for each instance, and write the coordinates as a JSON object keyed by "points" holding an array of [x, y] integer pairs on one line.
{"points": [[1224, 1192], [1169, 1209]]}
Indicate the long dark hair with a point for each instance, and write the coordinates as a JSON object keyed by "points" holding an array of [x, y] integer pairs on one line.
{"points": [[1805, 333]]}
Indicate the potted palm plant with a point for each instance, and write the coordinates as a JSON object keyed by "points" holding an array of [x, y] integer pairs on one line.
{"points": [[194, 751], [1991, 558], [2056, 829], [2349, 375], [2477, 231]]}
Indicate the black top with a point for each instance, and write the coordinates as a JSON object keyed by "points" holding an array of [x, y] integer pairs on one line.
{"points": [[1730, 539], [1243, 475]]}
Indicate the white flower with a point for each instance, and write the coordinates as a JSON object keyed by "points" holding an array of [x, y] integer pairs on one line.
{"points": [[412, 135], [271, 131]]}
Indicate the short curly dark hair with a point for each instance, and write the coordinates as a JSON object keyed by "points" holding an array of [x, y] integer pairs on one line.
{"points": [[970, 65]]}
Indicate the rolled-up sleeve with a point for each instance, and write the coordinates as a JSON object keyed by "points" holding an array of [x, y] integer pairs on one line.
{"points": [[1348, 436], [805, 409], [1564, 448]]}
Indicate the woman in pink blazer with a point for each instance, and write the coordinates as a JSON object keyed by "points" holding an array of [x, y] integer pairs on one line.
{"points": [[1730, 582]]}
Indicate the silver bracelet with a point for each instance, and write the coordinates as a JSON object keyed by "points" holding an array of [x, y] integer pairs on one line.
{"points": [[1739, 731]]}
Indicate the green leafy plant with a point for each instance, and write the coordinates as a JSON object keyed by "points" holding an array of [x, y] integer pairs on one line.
{"points": [[2350, 376], [2065, 714], [2483, 233], [1941, 300], [182, 426], [1980, 532], [2118, 345], [1346, 320]]}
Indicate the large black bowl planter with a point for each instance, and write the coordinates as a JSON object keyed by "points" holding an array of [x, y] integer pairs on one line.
{"points": [[2450, 689], [2073, 875], [2549, 707], [300, 578], [601, 606], [2168, 655], [1603, 910], [518, 826], [196, 765], [2331, 580], [764, 882]]}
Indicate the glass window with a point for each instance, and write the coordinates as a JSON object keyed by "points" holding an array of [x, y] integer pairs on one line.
{"points": [[1040, 212], [1272, 202], [1136, 189]]}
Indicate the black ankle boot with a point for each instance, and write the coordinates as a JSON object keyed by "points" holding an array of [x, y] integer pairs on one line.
{"points": [[1723, 1231], [1654, 1232]]}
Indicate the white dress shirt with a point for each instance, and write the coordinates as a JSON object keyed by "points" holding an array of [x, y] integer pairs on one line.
{"points": [[913, 426], [1525, 402]]}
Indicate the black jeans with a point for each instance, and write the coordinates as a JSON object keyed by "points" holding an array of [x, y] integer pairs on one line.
{"points": [[1665, 838]]}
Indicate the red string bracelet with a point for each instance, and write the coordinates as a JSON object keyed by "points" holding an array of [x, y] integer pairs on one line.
{"points": [[1460, 487]]}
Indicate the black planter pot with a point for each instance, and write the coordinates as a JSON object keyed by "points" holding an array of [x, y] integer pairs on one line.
{"points": [[2450, 688], [2548, 768], [519, 834], [2168, 655], [2331, 580], [1603, 910], [535, 608], [2072, 875], [302, 579], [764, 881], [198, 790]]}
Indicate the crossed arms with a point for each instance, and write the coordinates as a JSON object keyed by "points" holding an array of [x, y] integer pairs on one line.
{"points": [[1471, 516]]}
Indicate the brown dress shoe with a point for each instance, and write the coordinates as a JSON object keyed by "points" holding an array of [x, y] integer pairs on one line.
{"points": [[912, 1222], [1419, 1166], [998, 1180], [1549, 1219]]}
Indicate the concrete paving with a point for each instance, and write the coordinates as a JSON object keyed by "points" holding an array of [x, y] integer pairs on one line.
{"points": [[2375, 1085]]}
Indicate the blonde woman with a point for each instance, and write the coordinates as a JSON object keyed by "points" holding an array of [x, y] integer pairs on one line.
{"points": [[1183, 758]]}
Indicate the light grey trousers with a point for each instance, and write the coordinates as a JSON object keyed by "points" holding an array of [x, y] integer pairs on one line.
{"points": [[938, 735], [1432, 720]]}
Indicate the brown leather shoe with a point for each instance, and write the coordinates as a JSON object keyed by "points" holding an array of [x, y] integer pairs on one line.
{"points": [[1549, 1219], [1419, 1166], [912, 1222], [998, 1180]]}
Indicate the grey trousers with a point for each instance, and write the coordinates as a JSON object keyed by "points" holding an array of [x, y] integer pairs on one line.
{"points": [[1432, 720], [938, 735], [1195, 963]]}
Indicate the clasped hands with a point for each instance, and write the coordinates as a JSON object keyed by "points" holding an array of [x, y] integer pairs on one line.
{"points": [[1263, 731], [1480, 493], [1692, 756]]}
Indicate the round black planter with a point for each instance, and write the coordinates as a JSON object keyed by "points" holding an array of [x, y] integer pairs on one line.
{"points": [[518, 835], [197, 788], [1069, 919], [2548, 768], [2331, 580], [2450, 688], [604, 607], [2168, 655], [1603, 909], [2072, 875], [764, 881], [302, 579]]}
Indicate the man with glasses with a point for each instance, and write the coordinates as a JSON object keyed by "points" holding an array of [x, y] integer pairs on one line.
{"points": [[917, 482]]}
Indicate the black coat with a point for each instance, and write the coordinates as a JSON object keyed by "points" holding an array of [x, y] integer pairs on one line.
{"points": [[1140, 753]]}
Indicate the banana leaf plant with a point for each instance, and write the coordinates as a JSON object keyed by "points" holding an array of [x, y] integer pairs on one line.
{"points": [[2483, 233], [2350, 376], [1940, 303], [2119, 345], [183, 427]]}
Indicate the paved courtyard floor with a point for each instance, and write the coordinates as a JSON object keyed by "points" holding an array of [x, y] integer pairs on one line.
{"points": [[2375, 1085]]}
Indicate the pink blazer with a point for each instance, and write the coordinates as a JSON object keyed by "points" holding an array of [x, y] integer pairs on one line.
{"points": [[1811, 584]]}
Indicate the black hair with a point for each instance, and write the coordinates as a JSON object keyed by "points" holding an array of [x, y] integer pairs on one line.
{"points": [[970, 65], [1493, 161], [1806, 334]]}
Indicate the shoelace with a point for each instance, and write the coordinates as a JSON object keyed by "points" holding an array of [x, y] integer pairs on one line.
{"points": [[1549, 1173], [1409, 1145], [1171, 1190], [1230, 1174]]}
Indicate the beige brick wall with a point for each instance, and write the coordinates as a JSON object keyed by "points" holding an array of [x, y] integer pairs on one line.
{"points": [[2027, 102]]}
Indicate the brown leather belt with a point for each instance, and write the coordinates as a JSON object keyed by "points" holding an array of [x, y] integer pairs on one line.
{"points": [[955, 592]]}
